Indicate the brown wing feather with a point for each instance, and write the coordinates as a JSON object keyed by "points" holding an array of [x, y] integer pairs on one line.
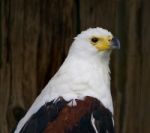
{"points": [[70, 116], [77, 119]]}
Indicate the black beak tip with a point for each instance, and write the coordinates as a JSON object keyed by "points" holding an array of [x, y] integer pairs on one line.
{"points": [[115, 43]]}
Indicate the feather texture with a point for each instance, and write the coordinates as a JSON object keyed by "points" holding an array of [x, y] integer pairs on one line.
{"points": [[58, 117]]}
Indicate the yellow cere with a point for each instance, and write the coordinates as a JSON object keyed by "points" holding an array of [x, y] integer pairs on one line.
{"points": [[102, 43]]}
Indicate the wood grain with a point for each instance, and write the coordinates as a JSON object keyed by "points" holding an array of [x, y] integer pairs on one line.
{"points": [[98, 13], [145, 71], [35, 37], [35, 40]]}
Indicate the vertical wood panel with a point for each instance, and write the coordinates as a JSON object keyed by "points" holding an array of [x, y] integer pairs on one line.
{"points": [[98, 13], [15, 41], [133, 73], [58, 27], [31, 32], [120, 65], [145, 77], [4, 66], [133, 30]]}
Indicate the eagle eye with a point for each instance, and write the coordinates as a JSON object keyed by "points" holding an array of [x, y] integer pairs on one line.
{"points": [[94, 39]]}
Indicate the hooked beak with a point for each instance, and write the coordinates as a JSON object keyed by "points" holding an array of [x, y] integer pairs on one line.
{"points": [[115, 43]]}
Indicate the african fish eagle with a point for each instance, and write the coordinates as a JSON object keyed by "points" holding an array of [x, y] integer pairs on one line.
{"points": [[78, 98]]}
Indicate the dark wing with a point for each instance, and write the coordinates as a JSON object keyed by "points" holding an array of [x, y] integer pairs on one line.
{"points": [[47, 113], [103, 120], [58, 117]]}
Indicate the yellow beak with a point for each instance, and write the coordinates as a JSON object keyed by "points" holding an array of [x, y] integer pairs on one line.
{"points": [[106, 44], [102, 46]]}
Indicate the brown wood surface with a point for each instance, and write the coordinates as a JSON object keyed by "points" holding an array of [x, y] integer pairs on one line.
{"points": [[35, 37]]}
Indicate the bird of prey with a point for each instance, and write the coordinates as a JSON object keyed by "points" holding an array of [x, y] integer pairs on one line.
{"points": [[78, 98]]}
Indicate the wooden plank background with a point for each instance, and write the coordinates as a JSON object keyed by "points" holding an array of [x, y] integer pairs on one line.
{"points": [[35, 37]]}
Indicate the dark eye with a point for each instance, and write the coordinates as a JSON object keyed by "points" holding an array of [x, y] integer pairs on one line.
{"points": [[94, 39]]}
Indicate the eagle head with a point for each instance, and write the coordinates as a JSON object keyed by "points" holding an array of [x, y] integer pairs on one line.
{"points": [[95, 40]]}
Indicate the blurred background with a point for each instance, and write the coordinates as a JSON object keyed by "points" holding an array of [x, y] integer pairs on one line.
{"points": [[35, 36]]}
